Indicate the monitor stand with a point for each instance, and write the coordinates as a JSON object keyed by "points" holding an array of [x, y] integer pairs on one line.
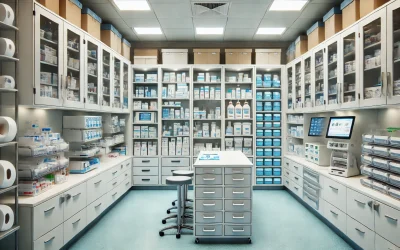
{"points": [[343, 162]]}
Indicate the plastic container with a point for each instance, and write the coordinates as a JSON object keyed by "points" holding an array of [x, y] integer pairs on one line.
{"points": [[277, 181], [276, 132], [238, 111], [260, 181], [276, 142], [259, 152], [276, 106], [259, 117], [276, 117], [276, 124], [228, 142], [268, 124], [246, 111], [230, 111], [259, 142], [259, 171], [268, 142], [259, 81], [276, 95], [267, 117], [246, 128], [259, 162], [268, 171], [267, 106], [267, 95], [229, 129], [277, 152], [277, 172], [267, 152], [259, 124], [380, 163], [277, 162], [237, 128], [268, 162], [259, 95], [259, 106], [260, 132], [394, 167], [267, 132], [268, 181]]}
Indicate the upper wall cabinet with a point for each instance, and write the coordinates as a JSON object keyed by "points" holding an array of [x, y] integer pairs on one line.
{"points": [[127, 84], [319, 80], [107, 72], [393, 48], [332, 50], [307, 79], [298, 85], [290, 95], [93, 74]]}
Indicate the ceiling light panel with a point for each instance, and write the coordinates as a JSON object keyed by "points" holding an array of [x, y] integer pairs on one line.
{"points": [[288, 5], [148, 31], [132, 4], [209, 31], [270, 31]]}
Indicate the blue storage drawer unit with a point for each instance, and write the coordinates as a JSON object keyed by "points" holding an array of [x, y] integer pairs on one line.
{"points": [[277, 172], [268, 171], [259, 172], [267, 162], [277, 162], [268, 142], [277, 152], [267, 152]]}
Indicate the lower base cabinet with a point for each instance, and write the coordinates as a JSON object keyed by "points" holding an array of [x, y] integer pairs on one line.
{"points": [[53, 240], [74, 225], [360, 234], [381, 243]]}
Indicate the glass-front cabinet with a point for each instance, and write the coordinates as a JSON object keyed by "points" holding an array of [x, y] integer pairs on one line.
{"points": [[319, 81], [393, 59], [290, 95], [117, 83], [349, 73], [49, 70], [298, 85], [333, 72], [106, 80], [92, 72], [125, 86], [307, 76], [373, 59]]}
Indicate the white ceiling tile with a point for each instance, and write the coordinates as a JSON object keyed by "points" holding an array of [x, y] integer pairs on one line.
{"points": [[242, 23], [291, 34], [282, 22], [145, 23], [179, 34], [267, 38], [205, 23], [209, 37], [152, 37], [317, 10], [119, 23], [137, 14], [282, 14], [239, 34], [105, 10], [247, 10], [176, 23], [172, 10], [304, 23]]}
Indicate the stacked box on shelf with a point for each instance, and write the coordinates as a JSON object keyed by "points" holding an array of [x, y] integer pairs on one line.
{"points": [[295, 126]]}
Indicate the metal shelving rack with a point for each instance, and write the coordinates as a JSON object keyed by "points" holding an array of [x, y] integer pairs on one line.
{"points": [[9, 150]]}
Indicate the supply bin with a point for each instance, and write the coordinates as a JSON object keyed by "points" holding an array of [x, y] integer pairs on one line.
{"points": [[268, 171], [268, 56], [267, 95], [51, 5], [259, 96], [333, 22], [277, 106], [259, 180], [259, 124], [276, 124], [259, 142], [126, 49], [316, 34], [259, 172], [267, 106], [206, 56], [268, 124], [301, 44], [276, 81], [277, 172], [277, 162], [259, 81], [111, 37], [276, 142], [267, 117], [259, 152], [350, 12], [91, 23], [238, 56], [259, 117], [277, 117], [259, 162], [276, 132], [268, 162], [367, 6], [145, 56], [71, 11], [276, 95], [276, 152], [277, 181], [174, 56], [268, 181], [260, 132], [259, 106], [268, 142], [267, 132], [267, 151]]}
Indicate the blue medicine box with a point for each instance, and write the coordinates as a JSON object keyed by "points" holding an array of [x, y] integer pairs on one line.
{"points": [[277, 106], [277, 181], [259, 96], [267, 152], [268, 124], [259, 180], [259, 117], [267, 117], [268, 181], [165, 113], [276, 83], [267, 84], [259, 124], [267, 95], [277, 117], [276, 132], [276, 124], [267, 132], [268, 171], [268, 142], [276, 95], [259, 172], [259, 162], [277, 152], [277, 162], [259, 142], [259, 106], [267, 106], [260, 132], [267, 77], [259, 152], [267, 162], [277, 172], [276, 142], [259, 82]]}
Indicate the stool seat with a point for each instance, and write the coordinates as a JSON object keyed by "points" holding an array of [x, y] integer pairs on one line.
{"points": [[178, 180], [188, 173]]}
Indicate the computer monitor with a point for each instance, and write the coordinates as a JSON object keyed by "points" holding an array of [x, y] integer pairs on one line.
{"points": [[340, 127], [317, 125]]}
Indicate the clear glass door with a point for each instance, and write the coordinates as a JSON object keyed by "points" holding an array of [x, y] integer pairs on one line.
{"points": [[307, 82], [350, 73], [393, 75], [92, 72], [290, 87], [319, 83], [333, 82], [298, 86], [106, 79], [117, 84], [125, 102], [373, 59]]}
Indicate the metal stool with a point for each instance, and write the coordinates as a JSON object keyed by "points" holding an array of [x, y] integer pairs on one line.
{"points": [[179, 181], [187, 173]]}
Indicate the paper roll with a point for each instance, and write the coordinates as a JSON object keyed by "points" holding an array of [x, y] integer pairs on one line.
{"points": [[7, 47], [7, 82], [6, 218], [8, 129], [6, 14], [7, 174]]}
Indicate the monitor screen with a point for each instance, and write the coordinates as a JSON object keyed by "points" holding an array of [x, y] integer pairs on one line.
{"points": [[317, 125], [340, 127]]}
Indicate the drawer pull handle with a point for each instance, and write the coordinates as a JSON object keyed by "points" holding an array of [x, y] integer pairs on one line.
{"points": [[98, 205], [238, 230], [127, 183], [209, 192], [208, 230], [287, 182], [334, 213], [208, 204], [145, 179], [209, 217], [238, 204], [238, 217], [51, 239], [389, 217], [115, 172], [73, 223], [240, 171], [208, 179], [76, 195], [128, 164], [287, 163], [211, 171], [115, 194], [126, 174], [122, 166], [296, 188], [145, 170], [296, 167], [287, 173], [360, 231], [360, 202], [98, 182], [115, 183], [297, 178], [48, 210], [233, 179], [336, 189], [176, 161], [234, 192], [145, 161]]}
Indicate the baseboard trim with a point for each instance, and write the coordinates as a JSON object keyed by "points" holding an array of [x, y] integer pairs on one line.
{"points": [[168, 187]]}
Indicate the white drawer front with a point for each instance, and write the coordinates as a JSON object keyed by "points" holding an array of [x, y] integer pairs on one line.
{"points": [[360, 234], [287, 173], [53, 240], [381, 243], [209, 193], [114, 194], [96, 187], [238, 179], [286, 182], [286, 163], [237, 230], [145, 171], [387, 223], [238, 217], [208, 230], [145, 180], [209, 217], [175, 162], [126, 184], [209, 205], [296, 168], [47, 216], [145, 162], [74, 225], [169, 170], [128, 164], [114, 172], [237, 193], [335, 193], [359, 207], [200, 170], [115, 182], [315, 202], [237, 170], [75, 200], [237, 205], [296, 189], [94, 209], [335, 216], [297, 179], [209, 179]]}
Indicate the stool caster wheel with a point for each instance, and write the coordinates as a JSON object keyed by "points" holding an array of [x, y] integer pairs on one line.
{"points": [[173, 203], [197, 241], [168, 212], [164, 221], [249, 241], [161, 234], [178, 236]]}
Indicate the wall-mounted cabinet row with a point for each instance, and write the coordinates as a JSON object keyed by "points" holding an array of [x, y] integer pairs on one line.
{"points": [[358, 67], [69, 68]]}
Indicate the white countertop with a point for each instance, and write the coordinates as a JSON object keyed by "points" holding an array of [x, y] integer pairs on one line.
{"points": [[226, 159], [73, 181], [351, 182]]}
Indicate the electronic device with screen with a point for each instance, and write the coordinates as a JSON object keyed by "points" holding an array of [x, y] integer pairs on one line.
{"points": [[340, 127], [317, 125]]}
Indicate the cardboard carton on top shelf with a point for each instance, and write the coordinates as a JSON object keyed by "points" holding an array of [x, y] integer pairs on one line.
{"points": [[53, 5], [71, 11], [333, 22], [91, 23], [350, 12]]}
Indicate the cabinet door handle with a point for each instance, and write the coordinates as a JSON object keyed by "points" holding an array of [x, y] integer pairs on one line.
{"points": [[73, 223], [360, 231], [115, 194], [211, 171], [238, 171], [296, 167], [334, 213], [126, 174], [297, 178], [209, 192], [237, 230], [76, 195], [145, 179], [145, 170], [208, 217], [145, 161], [98, 205], [208, 230], [176, 161], [376, 206], [208, 204], [127, 183], [233, 179], [115, 172], [114, 183], [336, 189], [389, 217], [48, 210], [360, 202], [51, 239], [234, 192], [97, 182], [208, 179], [238, 217], [238, 204], [296, 188]]}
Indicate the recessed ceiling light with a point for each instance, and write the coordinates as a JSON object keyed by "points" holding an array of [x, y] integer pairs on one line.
{"points": [[209, 31], [270, 31], [288, 5], [132, 4], [148, 31]]}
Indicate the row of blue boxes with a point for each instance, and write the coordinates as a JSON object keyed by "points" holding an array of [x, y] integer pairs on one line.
{"points": [[276, 162], [268, 81], [268, 95], [269, 180], [268, 124], [268, 172], [268, 117], [268, 142], [268, 152], [268, 106], [268, 132]]}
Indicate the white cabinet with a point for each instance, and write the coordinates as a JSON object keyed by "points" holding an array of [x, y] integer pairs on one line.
{"points": [[307, 79], [381, 243], [335, 216], [106, 79], [116, 102], [393, 53], [75, 200], [290, 94], [126, 85], [53, 240], [332, 73], [47, 216], [335, 194], [319, 86], [298, 85], [360, 234], [74, 225], [92, 72], [360, 208], [387, 222]]}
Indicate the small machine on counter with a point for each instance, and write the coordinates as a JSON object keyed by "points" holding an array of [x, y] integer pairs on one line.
{"points": [[317, 153]]}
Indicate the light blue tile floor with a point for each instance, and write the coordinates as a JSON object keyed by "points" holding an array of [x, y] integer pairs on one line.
{"points": [[279, 222]]}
